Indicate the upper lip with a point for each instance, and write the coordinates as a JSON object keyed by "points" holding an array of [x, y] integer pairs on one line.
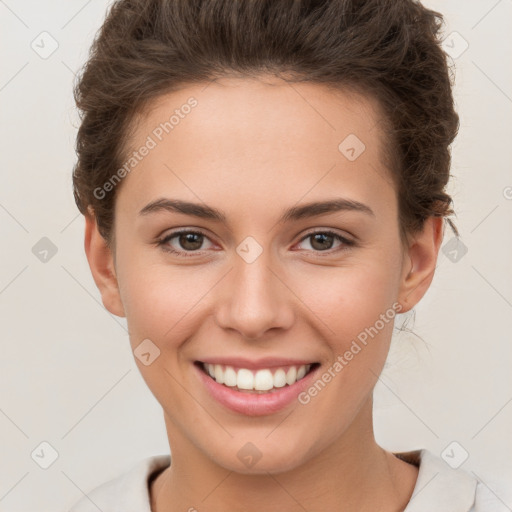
{"points": [[256, 364]]}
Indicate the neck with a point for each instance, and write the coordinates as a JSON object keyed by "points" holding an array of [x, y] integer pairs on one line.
{"points": [[352, 474]]}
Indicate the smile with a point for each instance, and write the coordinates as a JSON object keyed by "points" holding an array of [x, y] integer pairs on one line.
{"points": [[256, 391], [260, 381]]}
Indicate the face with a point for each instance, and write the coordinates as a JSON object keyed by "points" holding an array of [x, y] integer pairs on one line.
{"points": [[255, 277]]}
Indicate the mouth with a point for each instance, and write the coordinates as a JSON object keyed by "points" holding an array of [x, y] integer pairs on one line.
{"points": [[256, 381]]}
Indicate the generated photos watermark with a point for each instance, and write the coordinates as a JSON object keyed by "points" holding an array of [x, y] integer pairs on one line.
{"points": [[156, 136], [355, 348]]}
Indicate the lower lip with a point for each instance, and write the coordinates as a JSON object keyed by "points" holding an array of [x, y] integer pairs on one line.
{"points": [[254, 404]]}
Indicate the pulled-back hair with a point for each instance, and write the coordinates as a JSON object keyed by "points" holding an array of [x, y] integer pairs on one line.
{"points": [[388, 49]]}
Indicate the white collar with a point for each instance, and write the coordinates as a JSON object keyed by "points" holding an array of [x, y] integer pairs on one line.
{"points": [[438, 487]]}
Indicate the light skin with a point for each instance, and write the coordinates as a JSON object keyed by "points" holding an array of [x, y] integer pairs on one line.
{"points": [[252, 149]]}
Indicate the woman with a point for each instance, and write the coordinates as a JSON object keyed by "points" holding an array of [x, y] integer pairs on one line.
{"points": [[264, 190]]}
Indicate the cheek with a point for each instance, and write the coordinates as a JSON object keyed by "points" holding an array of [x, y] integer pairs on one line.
{"points": [[160, 301], [162, 304], [350, 299], [355, 307]]}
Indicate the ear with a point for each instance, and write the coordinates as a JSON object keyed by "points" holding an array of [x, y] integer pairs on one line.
{"points": [[420, 263], [101, 263]]}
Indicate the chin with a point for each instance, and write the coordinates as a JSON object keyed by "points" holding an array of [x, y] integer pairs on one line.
{"points": [[254, 458]]}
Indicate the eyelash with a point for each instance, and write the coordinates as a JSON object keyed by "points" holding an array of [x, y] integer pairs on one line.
{"points": [[183, 254]]}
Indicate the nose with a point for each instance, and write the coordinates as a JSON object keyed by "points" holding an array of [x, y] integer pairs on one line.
{"points": [[255, 298]]}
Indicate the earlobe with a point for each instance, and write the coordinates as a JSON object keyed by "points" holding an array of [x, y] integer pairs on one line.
{"points": [[101, 263], [420, 263]]}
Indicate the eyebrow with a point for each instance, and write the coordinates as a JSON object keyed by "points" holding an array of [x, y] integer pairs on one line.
{"points": [[295, 213]]}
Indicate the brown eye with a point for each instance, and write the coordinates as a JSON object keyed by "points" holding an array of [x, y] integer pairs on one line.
{"points": [[322, 241], [185, 241], [190, 241]]}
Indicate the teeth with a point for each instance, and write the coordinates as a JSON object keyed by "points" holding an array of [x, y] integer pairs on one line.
{"points": [[218, 374], [279, 378], [261, 380], [301, 372], [229, 376], [244, 379], [291, 376]]}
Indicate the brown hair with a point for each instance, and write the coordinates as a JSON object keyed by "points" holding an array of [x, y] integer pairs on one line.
{"points": [[388, 49]]}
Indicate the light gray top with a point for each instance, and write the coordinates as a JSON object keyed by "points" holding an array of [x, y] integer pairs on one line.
{"points": [[438, 488]]}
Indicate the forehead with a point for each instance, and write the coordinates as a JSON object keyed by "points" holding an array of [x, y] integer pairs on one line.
{"points": [[267, 140]]}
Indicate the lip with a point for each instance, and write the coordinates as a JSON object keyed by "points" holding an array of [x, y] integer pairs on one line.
{"points": [[251, 404], [256, 364]]}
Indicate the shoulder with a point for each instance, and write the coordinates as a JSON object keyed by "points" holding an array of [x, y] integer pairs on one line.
{"points": [[128, 492], [489, 498], [443, 486]]}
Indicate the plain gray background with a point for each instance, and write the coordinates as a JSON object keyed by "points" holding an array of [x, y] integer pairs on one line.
{"points": [[67, 374]]}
